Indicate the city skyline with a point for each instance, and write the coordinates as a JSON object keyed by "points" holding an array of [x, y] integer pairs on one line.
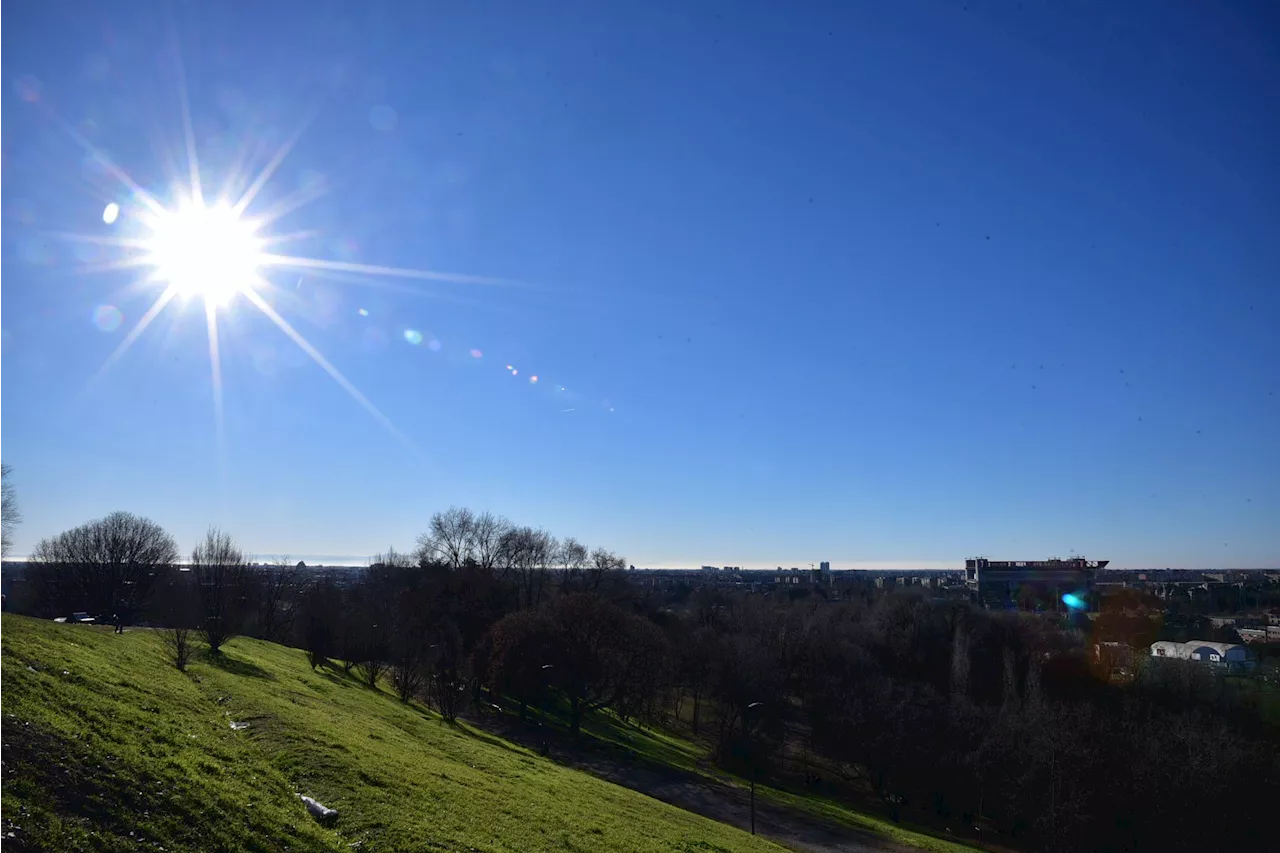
{"points": [[354, 561]]}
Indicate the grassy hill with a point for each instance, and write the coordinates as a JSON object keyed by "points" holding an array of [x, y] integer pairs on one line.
{"points": [[648, 745], [106, 747]]}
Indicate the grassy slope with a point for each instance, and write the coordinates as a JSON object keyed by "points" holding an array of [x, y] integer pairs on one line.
{"points": [[108, 748], [667, 748]]}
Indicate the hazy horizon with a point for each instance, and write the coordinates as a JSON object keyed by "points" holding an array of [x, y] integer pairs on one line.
{"points": [[351, 561]]}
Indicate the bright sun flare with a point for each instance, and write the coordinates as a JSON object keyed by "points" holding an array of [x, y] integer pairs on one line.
{"points": [[213, 252], [203, 251]]}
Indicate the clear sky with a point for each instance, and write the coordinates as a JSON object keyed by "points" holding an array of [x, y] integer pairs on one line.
{"points": [[874, 283]]}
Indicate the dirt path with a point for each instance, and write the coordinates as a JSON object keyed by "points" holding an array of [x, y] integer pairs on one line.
{"points": [[715, 800]]}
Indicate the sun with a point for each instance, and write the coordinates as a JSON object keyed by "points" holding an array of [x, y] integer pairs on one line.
{"points": [[210, 252], [194, 249]]}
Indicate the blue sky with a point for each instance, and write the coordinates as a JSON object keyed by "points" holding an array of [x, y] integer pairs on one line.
{"points": [[870, 283]]}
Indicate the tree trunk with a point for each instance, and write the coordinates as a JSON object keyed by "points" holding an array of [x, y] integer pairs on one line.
{"points": [[575, 716]]}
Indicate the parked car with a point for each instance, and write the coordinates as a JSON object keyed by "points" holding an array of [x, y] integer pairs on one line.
{"points": [[77, 618]]}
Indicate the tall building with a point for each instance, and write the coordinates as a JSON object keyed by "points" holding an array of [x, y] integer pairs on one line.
{"points": [[824, 571], [1033, 584]]}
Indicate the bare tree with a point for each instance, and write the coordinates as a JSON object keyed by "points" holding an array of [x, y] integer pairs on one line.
{"points": [[222, 582], [409, 649], [487, 537], [277, 584], [178, 634], [527, 554], [591, 642], [391, 559], [695, 666], [375, 615], [402, 605], [105, 566], [603, 562], [351, 625], [572, 558], [371, 669], [451, 538], [447, 682], [321, 621], [178, 642], [520, 654], [10, 514], [644, 667]]}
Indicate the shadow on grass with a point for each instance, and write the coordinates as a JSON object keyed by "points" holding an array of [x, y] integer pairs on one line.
{"points": [[235, 666], [338, 675], [485, 737], [464, 727]]}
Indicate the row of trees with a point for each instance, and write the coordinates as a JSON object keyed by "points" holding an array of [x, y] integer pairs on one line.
{"points": [[415, 617], [990, 720], [124, 567], [997, 721]]}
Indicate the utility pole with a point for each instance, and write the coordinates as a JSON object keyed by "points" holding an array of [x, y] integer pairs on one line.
{"points": [[751, 754]]}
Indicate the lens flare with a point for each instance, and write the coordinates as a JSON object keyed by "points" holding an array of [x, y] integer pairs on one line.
{"points": [[202, 244], [107, 318], [1073, 601]]}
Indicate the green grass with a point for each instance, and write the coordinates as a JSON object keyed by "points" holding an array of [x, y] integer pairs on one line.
{"points": [[666, 748], [840, 813], [108, 748]]}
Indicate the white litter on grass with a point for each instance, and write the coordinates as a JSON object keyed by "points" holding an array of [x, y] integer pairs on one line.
{"points": [[318, 811], [235, 727]]}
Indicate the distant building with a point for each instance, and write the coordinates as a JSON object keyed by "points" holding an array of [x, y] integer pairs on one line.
{"points": [[1264, 634], [792, 577], [1032, 584], [1228, 656]]}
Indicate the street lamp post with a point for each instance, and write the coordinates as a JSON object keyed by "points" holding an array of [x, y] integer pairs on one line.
{"points": [[546, 684], [751, 758]]}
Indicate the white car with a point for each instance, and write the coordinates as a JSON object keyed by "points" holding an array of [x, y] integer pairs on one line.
{"points": [[79, 618]]}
